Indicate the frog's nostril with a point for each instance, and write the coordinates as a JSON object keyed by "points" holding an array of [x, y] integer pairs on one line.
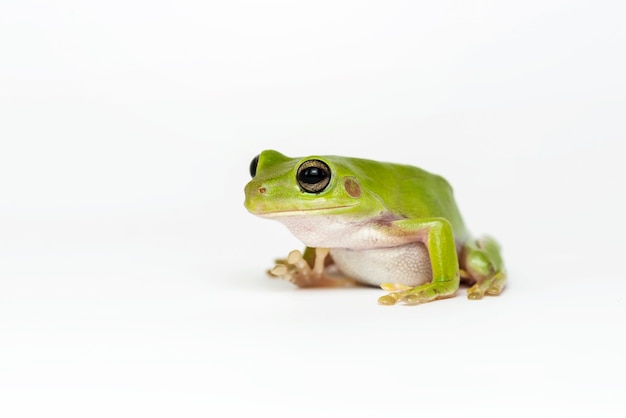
{"points": [[262, 190]]}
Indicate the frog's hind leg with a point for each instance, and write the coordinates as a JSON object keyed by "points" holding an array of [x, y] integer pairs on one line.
{"points": [[482, 266]]}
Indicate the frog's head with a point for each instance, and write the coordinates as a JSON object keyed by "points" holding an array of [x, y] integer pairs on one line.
{"points": [[315, 185]]}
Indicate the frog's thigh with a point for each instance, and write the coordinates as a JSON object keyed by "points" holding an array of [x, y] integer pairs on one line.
{"points": [[482, 262], [407, 264]]}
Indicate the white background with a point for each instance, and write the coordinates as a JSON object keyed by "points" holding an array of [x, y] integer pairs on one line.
{"points": [[132, 279]]}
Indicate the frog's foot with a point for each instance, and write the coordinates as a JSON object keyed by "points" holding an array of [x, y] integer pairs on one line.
{"points": [[419, 294], [492, 286], [296, 270], [483, 264]]}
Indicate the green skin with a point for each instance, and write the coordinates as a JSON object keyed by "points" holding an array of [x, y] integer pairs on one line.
{"points": [[399, 204]]}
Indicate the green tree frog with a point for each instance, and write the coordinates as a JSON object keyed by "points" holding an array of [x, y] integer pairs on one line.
{"points": [[368, 222]]}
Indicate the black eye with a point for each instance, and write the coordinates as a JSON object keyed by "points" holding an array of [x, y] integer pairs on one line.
{"points": [[313, 176], [253, 164]]}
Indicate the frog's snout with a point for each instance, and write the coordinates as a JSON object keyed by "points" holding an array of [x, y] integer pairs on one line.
{"points": [[255, 194]]}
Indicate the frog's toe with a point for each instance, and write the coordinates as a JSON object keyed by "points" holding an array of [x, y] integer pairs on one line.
{"points": [[415, 299], [396, 293], [298, 271], [491, 286], [293, 269], [284, 272], [417, 295], [422, 294], [279, 270], [494, 290], [475, 294], [388, 300], [394, 287]]}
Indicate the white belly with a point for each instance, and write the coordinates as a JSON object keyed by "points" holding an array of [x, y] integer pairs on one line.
{"points": [[406, 264], [364, 251]]}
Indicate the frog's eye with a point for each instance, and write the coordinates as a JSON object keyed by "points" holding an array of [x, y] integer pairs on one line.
{"points": [[253, 165], [313, 176]]}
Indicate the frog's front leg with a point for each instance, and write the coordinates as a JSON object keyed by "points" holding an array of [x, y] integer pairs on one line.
{"points": [[308, 270], [436, 234]]}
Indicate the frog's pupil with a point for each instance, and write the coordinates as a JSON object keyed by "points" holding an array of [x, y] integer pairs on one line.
{"points": [[312, 175]]}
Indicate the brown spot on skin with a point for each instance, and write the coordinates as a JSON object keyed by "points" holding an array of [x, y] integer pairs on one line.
{"points": [[352, 186], [262, 190], [386, 219]]}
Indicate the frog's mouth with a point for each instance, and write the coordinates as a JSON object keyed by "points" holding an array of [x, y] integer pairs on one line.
{"points": [[300, 212]]}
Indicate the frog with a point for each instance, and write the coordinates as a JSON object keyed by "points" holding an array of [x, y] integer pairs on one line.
{"points": [[365, 222]]}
